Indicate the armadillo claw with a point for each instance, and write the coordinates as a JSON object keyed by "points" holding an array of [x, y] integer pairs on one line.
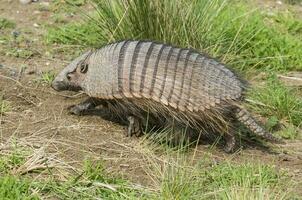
{"points": [[134, 127], [83, 107], [75, 110]]}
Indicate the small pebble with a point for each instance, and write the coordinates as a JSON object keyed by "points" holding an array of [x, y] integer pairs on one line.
{"points": [[279, 2], [13, 74], [46, 4], [25, 1], [36, 25], [15, 34], [285, 159], [31, 72], [124, 165]]}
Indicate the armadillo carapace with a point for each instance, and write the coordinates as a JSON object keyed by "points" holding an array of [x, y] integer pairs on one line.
{"points": [[171, 84]]}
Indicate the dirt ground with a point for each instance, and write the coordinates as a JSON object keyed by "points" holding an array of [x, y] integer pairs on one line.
{"points": [[39, 114]]}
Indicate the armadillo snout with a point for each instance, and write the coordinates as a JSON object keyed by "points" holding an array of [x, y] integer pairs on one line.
{"points": [[61, 85], [58, 86]]}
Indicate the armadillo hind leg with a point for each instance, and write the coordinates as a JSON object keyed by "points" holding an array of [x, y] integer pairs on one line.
{"points": [[230, 141], [245, 117], [85, 106], [134, 126]]}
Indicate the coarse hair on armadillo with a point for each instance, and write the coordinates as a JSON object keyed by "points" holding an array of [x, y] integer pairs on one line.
{"points": [[168, 82]]}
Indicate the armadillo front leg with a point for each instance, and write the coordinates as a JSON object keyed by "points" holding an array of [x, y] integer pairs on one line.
{"points": [[85, 106], [134, 127]]}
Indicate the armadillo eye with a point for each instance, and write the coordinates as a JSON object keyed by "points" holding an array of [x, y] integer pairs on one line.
{"points": [[83, 67]]}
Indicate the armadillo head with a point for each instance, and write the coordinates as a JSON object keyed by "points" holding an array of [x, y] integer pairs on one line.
{"points": [[72, 76]]}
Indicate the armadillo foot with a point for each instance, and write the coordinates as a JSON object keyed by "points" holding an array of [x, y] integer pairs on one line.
{"points": [[83, 107], [78, 109], [134, 127], [230, 143]]}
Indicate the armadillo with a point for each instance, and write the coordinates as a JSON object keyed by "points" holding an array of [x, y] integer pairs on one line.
{"points": [[176, 84]]}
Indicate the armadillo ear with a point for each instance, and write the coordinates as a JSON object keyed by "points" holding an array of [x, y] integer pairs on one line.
{"points": [[84, 64], [84, 67]]}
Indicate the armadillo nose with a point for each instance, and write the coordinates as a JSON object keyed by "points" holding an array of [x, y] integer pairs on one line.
{"points": [[54, 86], [58, 85]]}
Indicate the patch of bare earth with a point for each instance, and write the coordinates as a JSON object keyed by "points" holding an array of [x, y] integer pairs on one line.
{"points": [[39, 118]]}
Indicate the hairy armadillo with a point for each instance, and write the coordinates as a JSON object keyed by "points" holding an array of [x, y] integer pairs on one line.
{"points": [[181, 85]]}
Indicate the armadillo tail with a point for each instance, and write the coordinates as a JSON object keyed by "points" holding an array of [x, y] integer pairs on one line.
{"points": [[245, 117]]}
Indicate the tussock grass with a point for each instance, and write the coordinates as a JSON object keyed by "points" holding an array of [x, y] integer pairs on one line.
{"points": [[224, 181], [180, 178], [225, 29], [179, 175]]}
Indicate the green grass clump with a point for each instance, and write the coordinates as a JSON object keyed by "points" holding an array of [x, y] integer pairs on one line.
{"points": [[71, 34], [222, 181], [223, 28], [47, 77], [6, 24], [88, 183], [19, 53], [278, 101], [289, 132], [14, 188], [4, 106], [243, 181], [293, 2], [16, 46], [174, 178], [13, 159], [66, 6], [92, 182], [288, 23]]}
